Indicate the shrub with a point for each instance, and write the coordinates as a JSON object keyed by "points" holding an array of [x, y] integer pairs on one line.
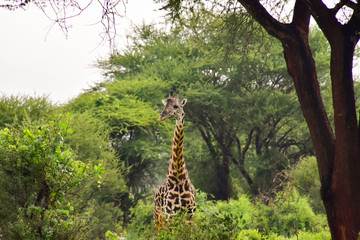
{"points": [[323, 235], [221, 219], [141, 223], [37, 172], [288, 216], [249, 234], [307, 182]]}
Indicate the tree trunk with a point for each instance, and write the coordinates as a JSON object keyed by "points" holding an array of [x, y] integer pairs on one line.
{"points": [[338, 161], [224, 180], [343, 198]]}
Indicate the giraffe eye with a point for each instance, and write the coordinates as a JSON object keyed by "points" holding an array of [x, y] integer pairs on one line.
{"points": [[175, 107]]}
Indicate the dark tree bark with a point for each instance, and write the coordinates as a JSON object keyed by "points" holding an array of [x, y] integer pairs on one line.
{"points": [[338, 158], [343, 196], [222, 180], [242, 153]]}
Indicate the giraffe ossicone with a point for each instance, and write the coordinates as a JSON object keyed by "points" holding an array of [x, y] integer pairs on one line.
{"points": [[176, 194]]}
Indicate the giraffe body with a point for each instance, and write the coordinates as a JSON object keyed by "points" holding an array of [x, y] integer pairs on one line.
{"points": [[176, 194]]}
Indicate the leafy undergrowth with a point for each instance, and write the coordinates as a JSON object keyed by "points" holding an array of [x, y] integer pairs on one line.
{"points": [[287, 216]]}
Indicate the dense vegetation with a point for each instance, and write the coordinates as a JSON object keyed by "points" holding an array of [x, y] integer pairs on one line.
{"points": [[88, 169]]}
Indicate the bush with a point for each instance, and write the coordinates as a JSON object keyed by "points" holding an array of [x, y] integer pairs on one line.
{"points": [[323, 235], [141, 224], [288, 216], [307, 182], [250, 234], [104, 197], [222, 220], [254, 234], [289, 213], [37, 172]]}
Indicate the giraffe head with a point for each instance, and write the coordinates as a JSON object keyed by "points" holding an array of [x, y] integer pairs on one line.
{"points": [[173, 107]]}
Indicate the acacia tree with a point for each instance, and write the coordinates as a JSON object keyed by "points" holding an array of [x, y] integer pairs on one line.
{"points": [[268, 124], [337, 152]]}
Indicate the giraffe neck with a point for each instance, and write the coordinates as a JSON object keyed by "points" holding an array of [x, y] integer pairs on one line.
{"points": [[177, 169]]}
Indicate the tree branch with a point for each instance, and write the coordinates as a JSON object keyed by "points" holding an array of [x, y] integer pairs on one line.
{"points": [[207, 138], [324, 17], [342, 3], [59, 12], [301, 17], [247, 145], [241, 161], [301, 67], [271, 25]]}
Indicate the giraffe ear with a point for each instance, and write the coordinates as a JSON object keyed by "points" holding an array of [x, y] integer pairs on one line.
{"points": [[183, 102], [164, 101]]}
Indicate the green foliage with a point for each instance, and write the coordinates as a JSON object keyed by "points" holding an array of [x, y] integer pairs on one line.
{"points": [[249, 234], [224, 219], [288, 213], [254, 234], [119, 113], [307, 181], [111, 236], [241, 98], [141, 225], [288, 216], [104, 196], [15, 109], [38, 223], [193, 59], [131, 121], [322, 235], [37, 172], [87, 209]]}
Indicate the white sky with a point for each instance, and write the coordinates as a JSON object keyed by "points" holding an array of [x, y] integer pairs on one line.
{"points": [[36, 61]]}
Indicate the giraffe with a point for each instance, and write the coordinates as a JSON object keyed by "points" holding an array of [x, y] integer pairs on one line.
{"points": [[176, 194]]}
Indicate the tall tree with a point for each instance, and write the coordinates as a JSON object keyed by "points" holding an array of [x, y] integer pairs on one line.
{"points": [[128, 111], [338, 153], [264, 129]]}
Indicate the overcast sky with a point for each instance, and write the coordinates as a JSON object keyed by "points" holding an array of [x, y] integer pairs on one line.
{"points": [[35, 59]]}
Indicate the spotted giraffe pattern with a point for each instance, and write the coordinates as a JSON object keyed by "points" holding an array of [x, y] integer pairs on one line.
{"points": [[176, 194]]}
